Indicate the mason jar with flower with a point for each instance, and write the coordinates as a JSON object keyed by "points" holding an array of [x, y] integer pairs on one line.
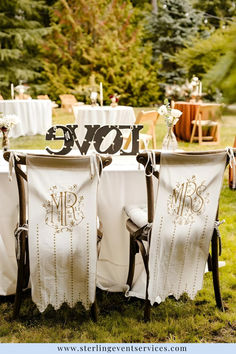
{"points": [[7, 121], [171, 116]]}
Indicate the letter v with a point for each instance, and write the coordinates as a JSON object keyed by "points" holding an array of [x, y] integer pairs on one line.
{"points": [[91, 129]]}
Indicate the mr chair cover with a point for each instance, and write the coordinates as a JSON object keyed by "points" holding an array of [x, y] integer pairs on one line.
{"points": [[185, 214], [62, 229]]}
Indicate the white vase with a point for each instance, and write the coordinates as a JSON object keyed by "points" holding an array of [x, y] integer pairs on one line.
{"points": [[170, 143]]}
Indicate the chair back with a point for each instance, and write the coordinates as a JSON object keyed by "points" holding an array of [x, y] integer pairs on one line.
{"points": [[209, 112], [23, 96], [184, 218], [43, 97], [67, 101], [150, 118], [62, 227]]}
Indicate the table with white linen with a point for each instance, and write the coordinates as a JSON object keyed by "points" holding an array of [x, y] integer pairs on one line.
{"points": [[105, 115], [122, 183], [35, 116]]}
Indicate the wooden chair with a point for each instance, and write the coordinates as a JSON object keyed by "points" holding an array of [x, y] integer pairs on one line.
{"points": [[205, 130], [149, 118], [67, 101], [23, 272], [54, 104], [142, 233], [23, 96], [231, 173]]}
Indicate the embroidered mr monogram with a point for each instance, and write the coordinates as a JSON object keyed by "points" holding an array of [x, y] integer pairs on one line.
{"points": [[64, 208], [187, 200]]}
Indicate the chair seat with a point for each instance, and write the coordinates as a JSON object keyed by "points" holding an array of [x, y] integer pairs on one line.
{"points": [[204, 123], [137, 214]]}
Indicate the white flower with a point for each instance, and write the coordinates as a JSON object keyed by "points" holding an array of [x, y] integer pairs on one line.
{"points": [[176, 113], [9, 120], [162, 110]]}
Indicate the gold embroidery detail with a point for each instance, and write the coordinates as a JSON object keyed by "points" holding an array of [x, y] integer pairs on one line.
{"points": [[188, 199], [64, 208]]}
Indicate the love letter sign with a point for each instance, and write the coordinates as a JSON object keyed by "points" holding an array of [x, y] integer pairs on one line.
{"points": [[95, 135]]}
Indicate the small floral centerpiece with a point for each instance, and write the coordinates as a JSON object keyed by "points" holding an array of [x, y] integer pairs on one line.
{"points": [[171, 117], [114, 99], [7, 121]]}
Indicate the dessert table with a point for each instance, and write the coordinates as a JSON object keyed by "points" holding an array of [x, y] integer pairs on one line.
{"points": [[122, 183], [105, 115], [35, 116], [183, 127]]}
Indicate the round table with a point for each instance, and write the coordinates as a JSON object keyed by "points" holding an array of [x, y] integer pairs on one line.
{"points": [[105, 115], [183, 127], [35, 116]]}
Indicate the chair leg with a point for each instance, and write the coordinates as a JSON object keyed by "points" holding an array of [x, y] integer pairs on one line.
{"points": [[147, 311], [132, 253], [215, 271], [193, 132], [19, 288], [199, 132], [94, 311]]}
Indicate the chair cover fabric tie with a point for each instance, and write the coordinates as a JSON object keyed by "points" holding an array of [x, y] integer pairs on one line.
{"points": [[17, 234], [232, 163], [216, 227]]}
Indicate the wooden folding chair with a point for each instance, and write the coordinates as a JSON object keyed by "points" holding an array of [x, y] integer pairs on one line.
{"points": [[206, 129], [67, 101], [23, 271], [140, 235], [231, 172], [54, 104], [149, 118]]}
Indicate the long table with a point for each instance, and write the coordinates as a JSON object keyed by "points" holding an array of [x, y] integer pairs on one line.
{"points": [[35, 116], [122, 183]]}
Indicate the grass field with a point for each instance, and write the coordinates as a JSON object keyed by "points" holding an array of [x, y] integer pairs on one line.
{"points": [[120, 318]]}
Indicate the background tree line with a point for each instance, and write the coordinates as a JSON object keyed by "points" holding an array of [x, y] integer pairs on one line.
{"points": [[134, 47]]}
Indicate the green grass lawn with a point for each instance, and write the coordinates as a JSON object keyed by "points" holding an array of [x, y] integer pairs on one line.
{"points": [[120, 318]]}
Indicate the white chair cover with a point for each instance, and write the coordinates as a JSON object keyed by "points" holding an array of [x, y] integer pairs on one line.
{"points": [[187, 201], [185, 212], [62, 195]]}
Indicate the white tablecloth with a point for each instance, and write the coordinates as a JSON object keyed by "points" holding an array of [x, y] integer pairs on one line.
{"points": [[106, 115], [122, 183], [35, 116]]}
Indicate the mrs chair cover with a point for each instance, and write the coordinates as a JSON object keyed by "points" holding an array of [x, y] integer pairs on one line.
{"points": [[57, 246], [174, 241]]}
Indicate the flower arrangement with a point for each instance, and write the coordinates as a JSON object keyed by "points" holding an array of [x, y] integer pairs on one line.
{"points": [[7, 121], [114, 99], [171, 115]]}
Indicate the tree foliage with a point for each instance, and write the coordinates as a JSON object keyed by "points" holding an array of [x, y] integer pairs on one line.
{"points": [[214, 60], [217, 13], [21, 32], [99, 40], [170, 30]]}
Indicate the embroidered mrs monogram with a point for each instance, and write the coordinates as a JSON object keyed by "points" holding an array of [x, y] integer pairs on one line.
{"points": [[64, 208], [187, 200]]}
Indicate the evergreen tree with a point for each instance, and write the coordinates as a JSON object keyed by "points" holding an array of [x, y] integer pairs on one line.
{"points": [[20, 36], [170, 30], [99, 39], [217, 13]]}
